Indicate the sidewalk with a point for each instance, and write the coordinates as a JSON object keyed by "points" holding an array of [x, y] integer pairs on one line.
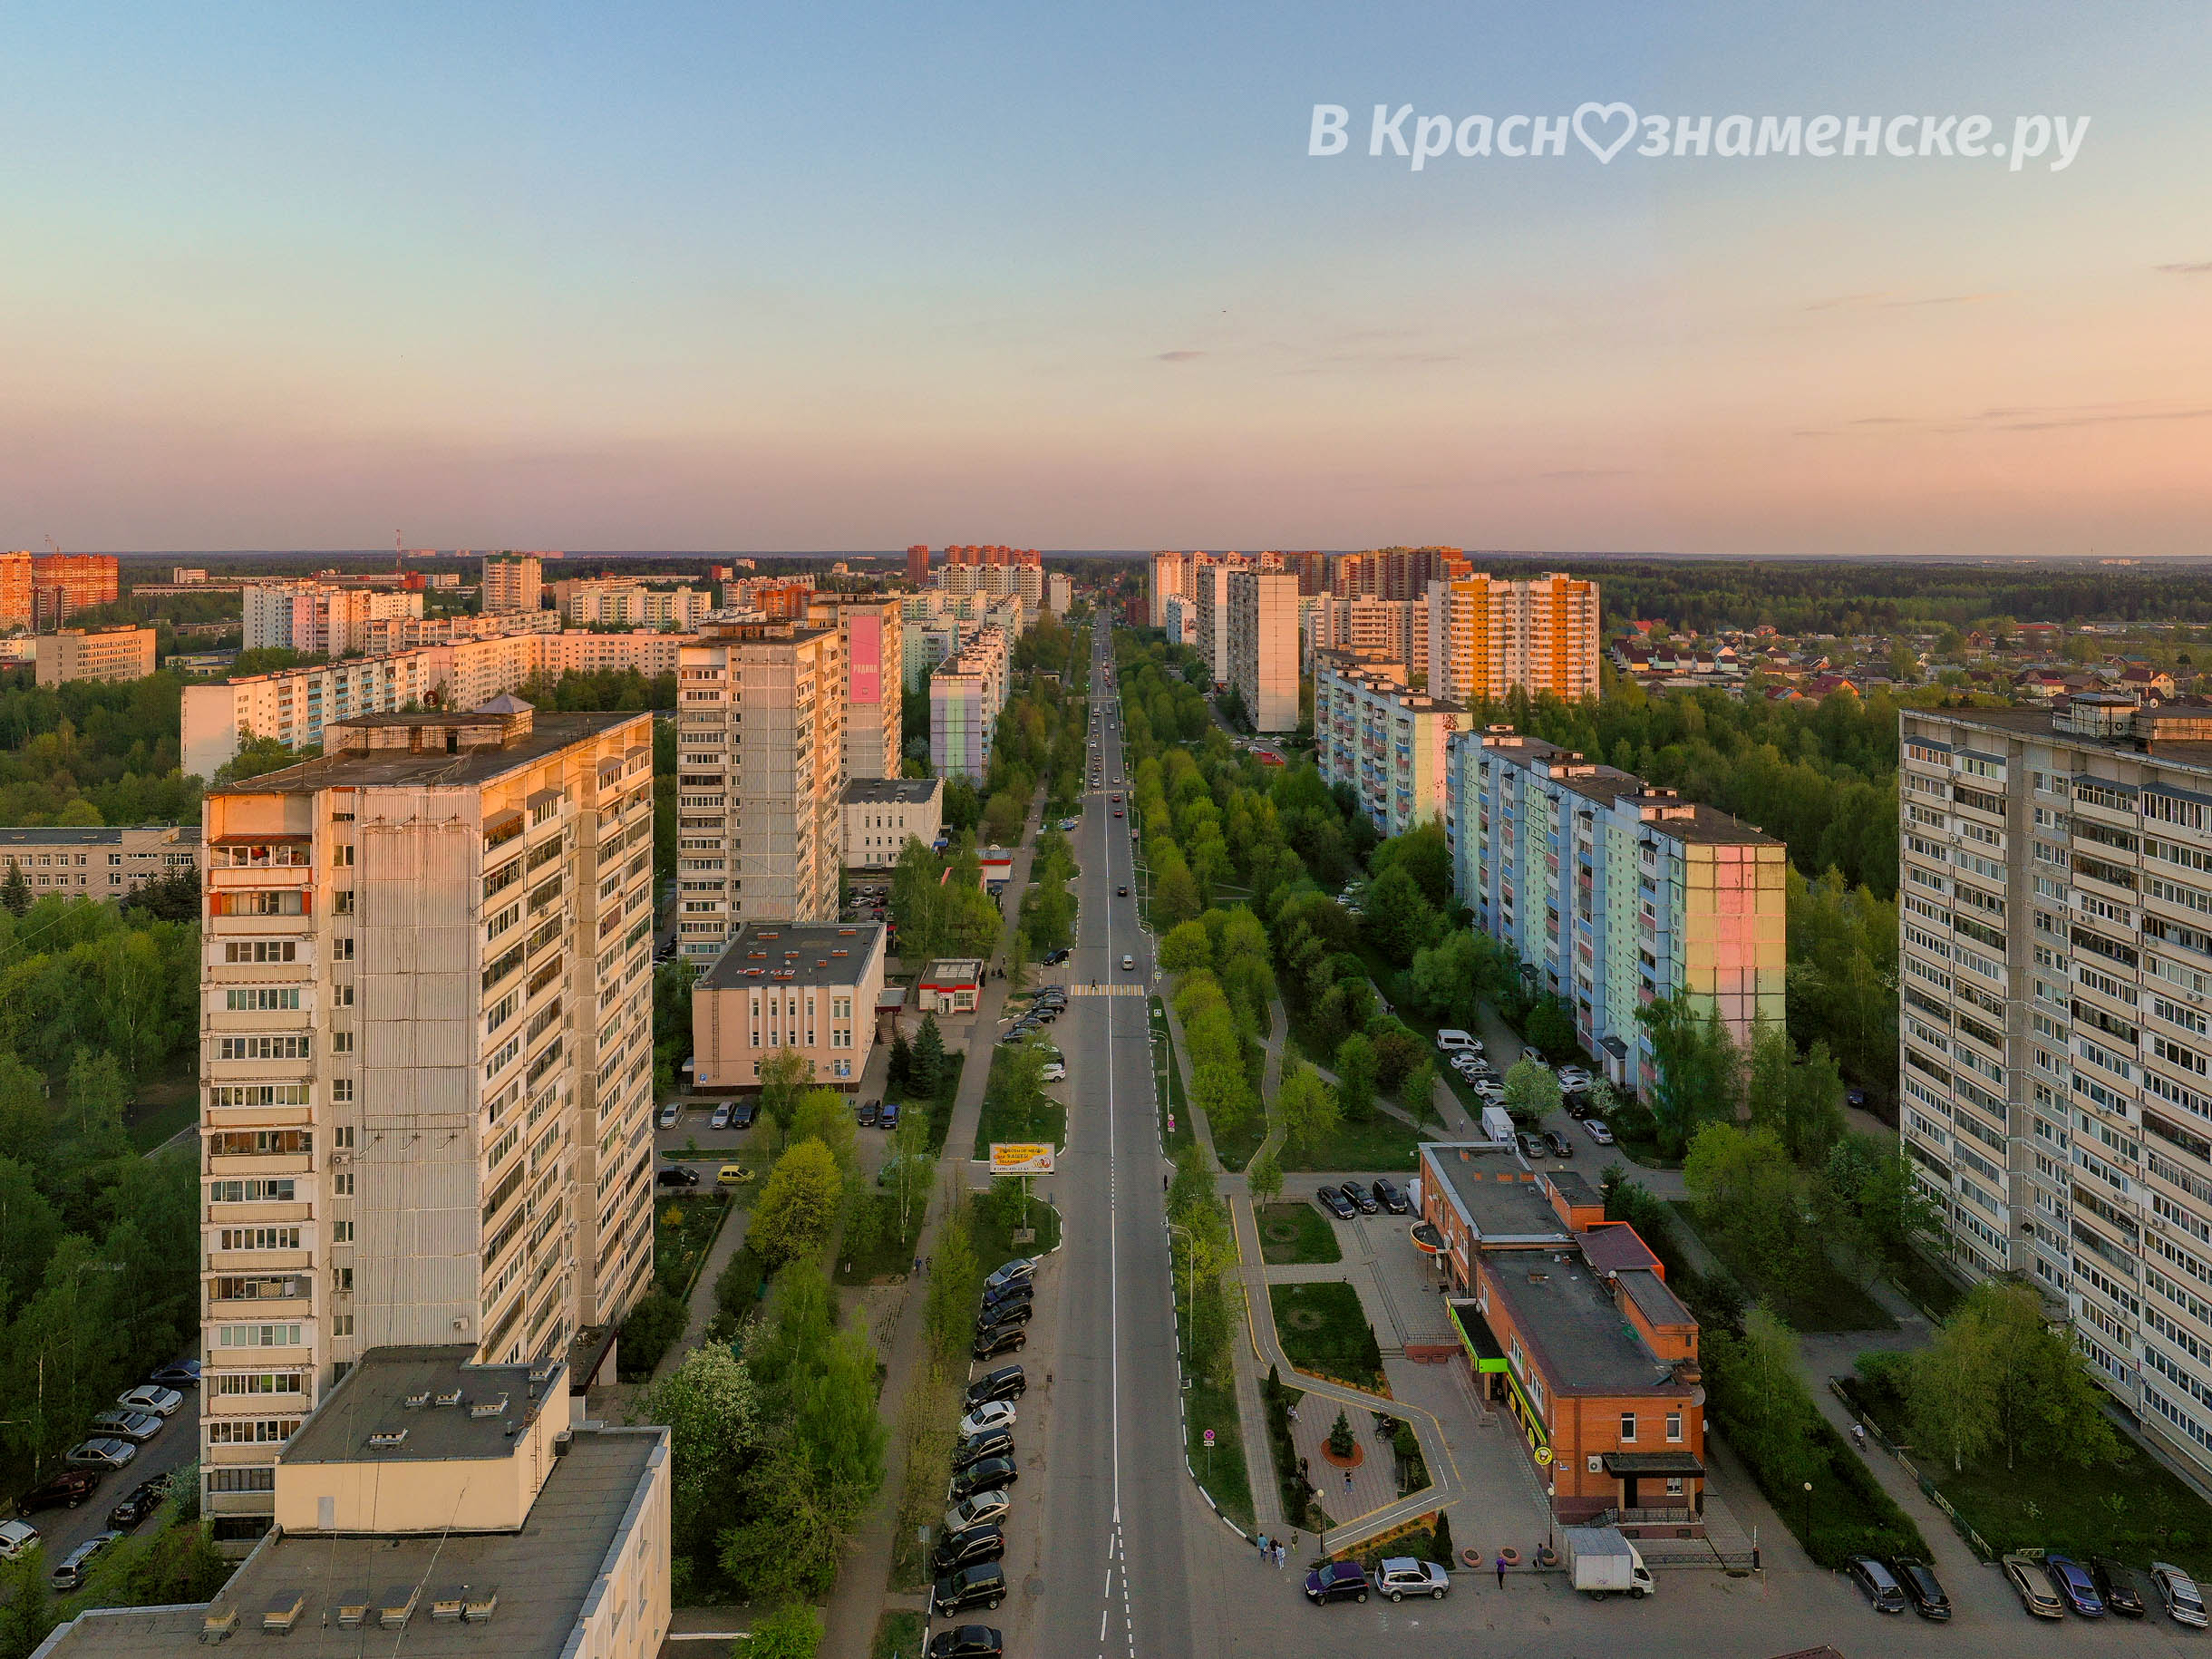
{"points": [[863, 1581]]}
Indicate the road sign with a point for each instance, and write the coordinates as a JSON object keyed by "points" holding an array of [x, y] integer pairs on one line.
{"points": [[1209, 1439], [1021, 1158]]}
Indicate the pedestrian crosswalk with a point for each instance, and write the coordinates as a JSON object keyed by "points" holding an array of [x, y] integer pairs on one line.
{"points": [[1120, 989]]}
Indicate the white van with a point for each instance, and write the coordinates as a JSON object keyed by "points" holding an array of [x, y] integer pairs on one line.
{"points": [[1452, 1041]]}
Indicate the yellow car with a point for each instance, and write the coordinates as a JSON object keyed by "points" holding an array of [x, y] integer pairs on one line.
{"points": [[732, 1175]]}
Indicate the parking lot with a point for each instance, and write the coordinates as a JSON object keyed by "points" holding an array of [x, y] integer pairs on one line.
{"points": [[177, 1445]]}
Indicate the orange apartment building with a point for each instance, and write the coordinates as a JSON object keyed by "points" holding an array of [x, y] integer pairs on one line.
{"points": [[1488, 636], [45, 589], [1569, 1326]]}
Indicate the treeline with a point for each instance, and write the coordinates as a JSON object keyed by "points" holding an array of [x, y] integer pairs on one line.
{"points": [[91, 752], [620, 691], [941, 906]]}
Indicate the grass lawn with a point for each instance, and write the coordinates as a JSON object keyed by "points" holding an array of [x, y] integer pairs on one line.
{"points": [[1046, 1121], [891, 1252], [1926, 1283], [898, 1635], [1238, 1146], [1292, 1233], [2129, 1508], [1168, 1085], [1382, 1145], [995, 1243], [684, 1231], [1222, 1466], [940, 1107], [1831, 1303], [151, 1128], [1324, 1330]]}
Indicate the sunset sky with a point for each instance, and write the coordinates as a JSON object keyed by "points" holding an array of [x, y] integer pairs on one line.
{"points": [[851, 276]]}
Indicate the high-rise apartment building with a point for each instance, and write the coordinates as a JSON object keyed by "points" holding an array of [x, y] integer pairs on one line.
{"points": [[1398, 628], [2055, 949], [871, 638], [122, 653], [917, 564], [966, 692], [319, 618], [1059, 594], [513, 582], [1615, 893], [1390, 742], [1263, 647], [589, 602], [1208, 583], [1170, 573], [1488, 636], [45, 589], [427, 1060], [759, 756]]}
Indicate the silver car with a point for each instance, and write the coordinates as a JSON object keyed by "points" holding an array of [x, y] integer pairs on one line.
{"points": [[105, 1453], [138, 1427], [1404, 1575]]}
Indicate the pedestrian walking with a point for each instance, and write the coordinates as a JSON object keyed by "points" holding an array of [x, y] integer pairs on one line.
{"points": [[1294, 1540], [1292, 1412], [1501, 1572], [1279, 1553], [1262, 1542], [1347, 1480]]}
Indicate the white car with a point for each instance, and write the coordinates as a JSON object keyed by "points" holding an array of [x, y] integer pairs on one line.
{"points": [[2184, 1603], [1054, 1071], [1451, 1039], [161, 1401], [1597, 1131], [669, 1114], [16, 1539], [1487, 1090], [991, 1414], [720, 1120], [1573, 1077], [978, 1511], [1404, 1575], [1127, 963], [102, 1454]]}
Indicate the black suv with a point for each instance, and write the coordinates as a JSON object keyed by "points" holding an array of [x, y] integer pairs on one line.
{"points": [[987, 1476], [1561, 1146], [1007, 1383], [990, 1444], [981, 1586], [1337, 1581], [1002, 1318], [968, 1642], [1360, 1197], [1391, 1199], [136, 1506], [676, 1176], [2117, 1585], [977, 1544], [1921, 1588], [1011, 1294], [997, 1340]]}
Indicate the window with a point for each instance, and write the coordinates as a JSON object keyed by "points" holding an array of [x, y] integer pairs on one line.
{"points": [[341, 1324], [286, 901], [1628, 1428], [261, 1143], [258, 1094], [259, 1383], [259, 1478], [291, 1046], [1673, 1429], [342, 949], [257, 1335], [342, 1232], [264, 1191], [258, 1238], [341, 1088], [261, 999], [342, 1183]]}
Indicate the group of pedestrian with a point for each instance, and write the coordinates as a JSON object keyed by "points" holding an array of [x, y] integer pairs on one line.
{"points": [[1273, 1551]]}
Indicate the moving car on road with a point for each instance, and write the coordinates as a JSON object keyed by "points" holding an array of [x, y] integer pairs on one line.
{"points": [[1402, 1576], [1335, 1203], [1338, 1581], [2032, 1586], [1127, 963], [1121, 892]]}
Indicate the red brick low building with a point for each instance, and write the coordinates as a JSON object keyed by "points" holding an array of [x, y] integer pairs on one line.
{"points": [[1570, 1329]]}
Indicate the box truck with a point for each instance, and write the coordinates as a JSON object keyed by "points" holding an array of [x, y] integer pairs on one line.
{"points": [[1600, 1560]]}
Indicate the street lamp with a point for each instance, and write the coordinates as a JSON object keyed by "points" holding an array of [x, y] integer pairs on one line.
{"points": [[1809, 1515]]}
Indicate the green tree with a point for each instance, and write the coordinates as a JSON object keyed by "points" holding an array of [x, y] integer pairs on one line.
{"points": [[826, 1115], [1952, 1394], [784, 1077], [900, 1073], [16, 890], [929, 1060], [1187, 947], [26, 1609], [1307, 1108], [789, 1543], [1263, 1178], [712, 1410], [1356, 1078], [1530, 1091], [1399, 918], [793, 1630], [1552, 1029], [912, 1171], [1017, 961], [797, 1206], [652, 1327], [1419, 1093], [1700, 1068], [838, 1428]]}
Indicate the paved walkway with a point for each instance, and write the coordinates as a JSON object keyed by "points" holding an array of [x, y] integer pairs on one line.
{"points": [[861, 1593]]}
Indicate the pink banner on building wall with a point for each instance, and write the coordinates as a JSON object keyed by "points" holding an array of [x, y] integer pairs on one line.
{"points": [[865, 674]]}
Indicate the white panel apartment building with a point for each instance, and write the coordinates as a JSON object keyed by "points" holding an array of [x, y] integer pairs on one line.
{"points": [[513, 582], [2055, 921], [426, 1061], [315, 617], [871, 636], [965, 695], [1397, 628], [1390, 742], [1263, 647], [759, 756], [1210, 584]]}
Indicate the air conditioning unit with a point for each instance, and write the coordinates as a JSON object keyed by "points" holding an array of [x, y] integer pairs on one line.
{"points": [[1596, 1463]]}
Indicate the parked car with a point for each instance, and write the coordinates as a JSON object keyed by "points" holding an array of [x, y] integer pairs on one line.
{"points": [[1003, 1317], [742, 1114], [887, 1115], [676, 1175], [1532, 1147], [2179, 1595], [991, 1475], [1451, 1040], [161, 1401], [66, 1490], [71, 1570], [178, 1373], [2116, 1586], [1391, 1197], [1335, 1203], [868, 1114], [1007, 1383], [669, 1114], [1361, 1199], [1020, 1267], [1404, 1575], [984, 1508], [2071, 1580], [1596, 1129], [17, 1539], [2032, 1586], [998, 1340], [720, 1120], [1012, 1293], [982, 1585], [1922, 1589], [103, 1453], [1875, 1582], [1561, 1146], [980, 1448], [136, 1506], [1577, 1104], [968, 1642], [1573, 1077], [137, 1427], [732, 1175], [1338, 1581], [956, 1550], [986, 1416], [1053, 1072]]}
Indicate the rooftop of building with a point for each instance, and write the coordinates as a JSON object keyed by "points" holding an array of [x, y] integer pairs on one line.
{"points": [[96, 836], [1615, 1248], [1658, 1303], [2168, 734], [416, 1405], [388, 766], [796, 954], [891, 792], [1565, 1314], [1497, 1193], [1608, 786], [537, 1582], [944, 971]]}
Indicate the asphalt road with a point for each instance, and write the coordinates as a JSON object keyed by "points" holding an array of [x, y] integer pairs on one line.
{"points": [[61, 1531], [1114, 1578]]}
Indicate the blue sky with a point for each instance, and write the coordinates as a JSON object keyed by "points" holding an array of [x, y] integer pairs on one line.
{"points": [[856, 277]]}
